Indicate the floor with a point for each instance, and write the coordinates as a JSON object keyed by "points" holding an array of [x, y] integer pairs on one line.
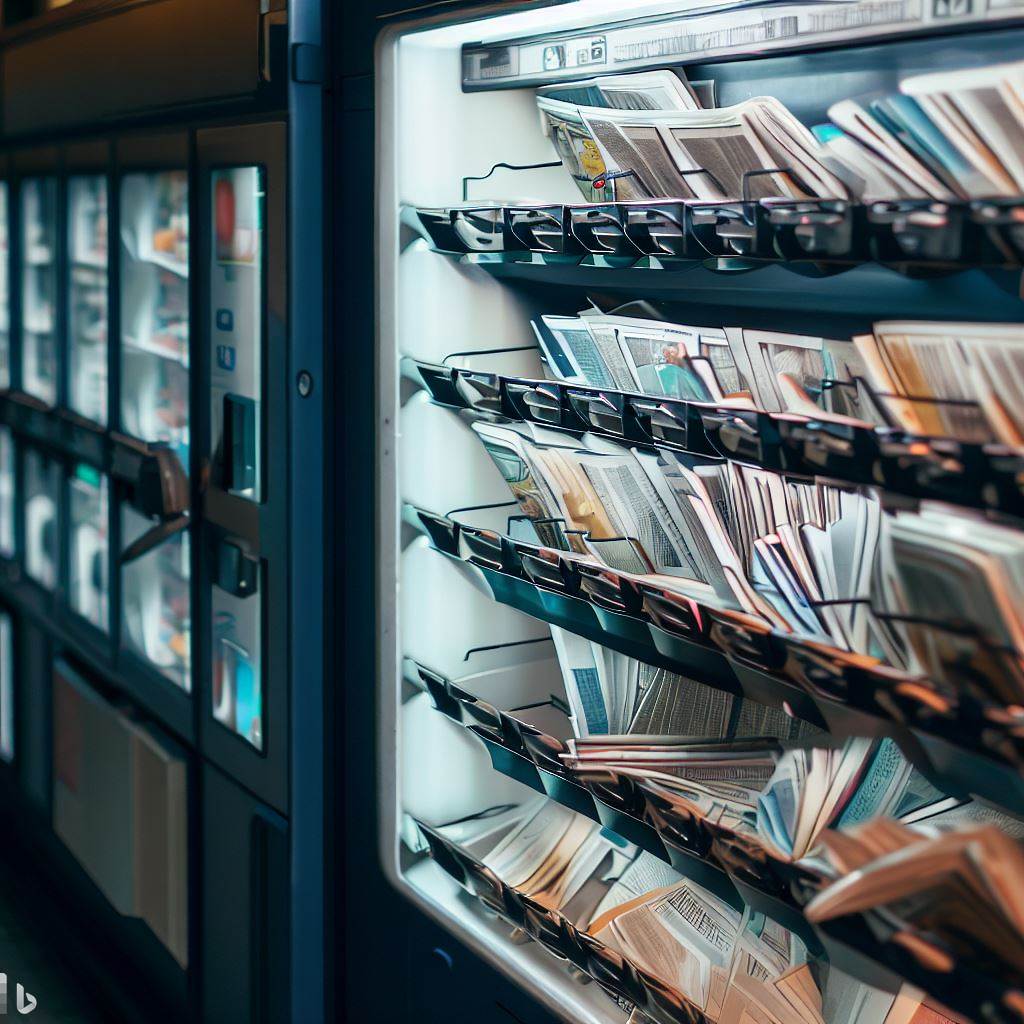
{"points": [[28, 959]]}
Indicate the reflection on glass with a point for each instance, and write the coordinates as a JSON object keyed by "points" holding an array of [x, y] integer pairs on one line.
{"points": [[155, 308], [42, 491], [89, 545], [236, 311], [5, 291], [6, 688], [237, 677], [39, 288], [157, 607], [87, 296], [6, 493]]}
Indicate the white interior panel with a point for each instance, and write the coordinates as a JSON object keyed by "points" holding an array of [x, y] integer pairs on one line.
{"points": [[446, 773], [448, 135], [447, 616], [447, 307], [444, 466]]}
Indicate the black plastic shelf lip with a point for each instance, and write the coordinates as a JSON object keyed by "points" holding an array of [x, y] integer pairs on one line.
{"points": [[921, 468], [830, 233], [578, 798], [847, 942], [646, 836], [559, 936], [999, 783], [510, 764], [962, 769], [767, 688], [850, 941], [568, 793]]}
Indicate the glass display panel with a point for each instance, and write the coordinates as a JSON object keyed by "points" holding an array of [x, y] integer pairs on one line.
{"points": [[6, 688], [236, 311], [39, 288], [5, 290], [7, 478], [155, 309], [42, 508], [90, 545], [156, 601], [237, 674], [87, 296]]}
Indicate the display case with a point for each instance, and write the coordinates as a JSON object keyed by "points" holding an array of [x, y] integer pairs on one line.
{"points": [[541, 440], [237, 302], [5, 287], [8, 479], [87, 295], [39, 348], [89, 548], [241, 585], [42, 484], [237, 630], [156, 595], [154, 288], [7, 663], [145, 500]]}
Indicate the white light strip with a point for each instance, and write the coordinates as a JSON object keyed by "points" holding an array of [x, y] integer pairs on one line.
{"points": [[705, 35]]}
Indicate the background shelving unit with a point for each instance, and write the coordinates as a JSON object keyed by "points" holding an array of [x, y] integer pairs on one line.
{"points": [[145, 552]]}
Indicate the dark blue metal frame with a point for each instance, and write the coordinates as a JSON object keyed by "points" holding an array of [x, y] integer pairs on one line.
{"points": [[307, 525]]}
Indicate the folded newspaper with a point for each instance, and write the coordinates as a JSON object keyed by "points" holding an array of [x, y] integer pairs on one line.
{"points": [[946, 135]]}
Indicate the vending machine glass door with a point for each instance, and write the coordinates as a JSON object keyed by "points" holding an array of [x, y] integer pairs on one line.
{"points": [[88, 561], [7, 547], [156, 599], [6, 688], [42, 510], [87, 296], [236, 309], [39, 288], [237, 609], [5, 290], [155, 308]]}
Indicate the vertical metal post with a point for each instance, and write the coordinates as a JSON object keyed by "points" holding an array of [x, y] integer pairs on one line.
{"points": [[306, 527]]}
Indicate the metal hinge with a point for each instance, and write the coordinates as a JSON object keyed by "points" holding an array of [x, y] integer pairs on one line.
{"points": [[273, 13], [307, 63]]}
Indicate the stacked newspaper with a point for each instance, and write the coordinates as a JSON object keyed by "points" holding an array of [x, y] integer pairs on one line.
{"points": [[610, 694], [949, 135], [721, 960], [558, 858], [958, 380], [799, 555], [734, 965], [717, 781], [937, 591], [730, 366], [964, 573], [953, 135], [652, 140], [817, 789], [954, 896]]}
